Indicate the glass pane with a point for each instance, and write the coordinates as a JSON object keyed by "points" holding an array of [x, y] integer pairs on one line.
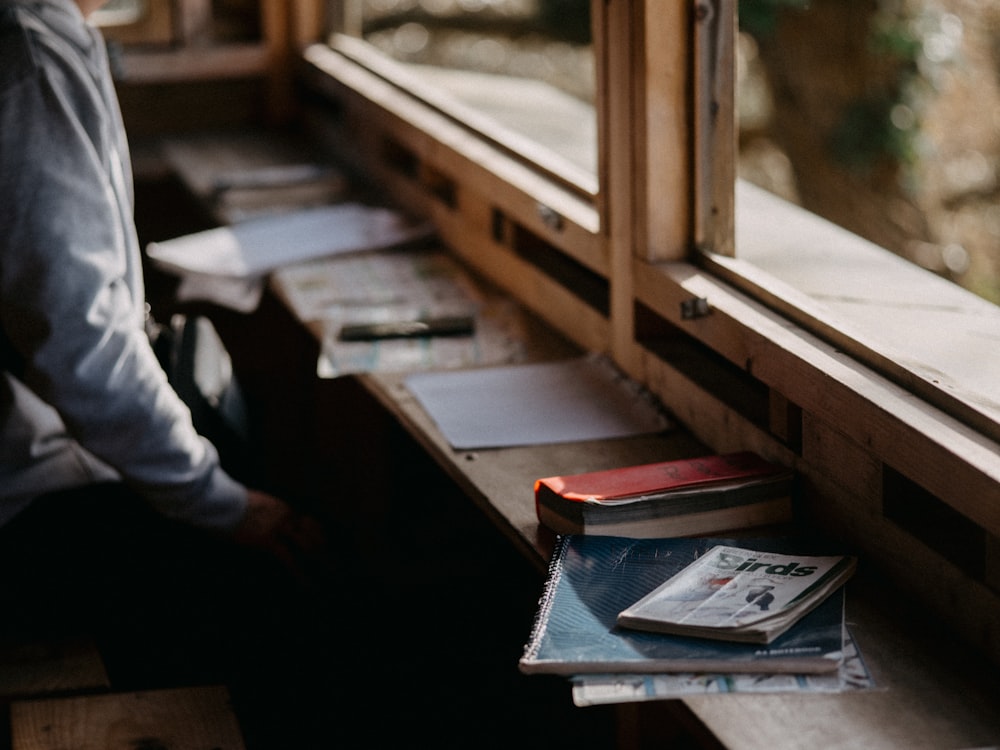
{"points": [[882, 117], [525, 64]]}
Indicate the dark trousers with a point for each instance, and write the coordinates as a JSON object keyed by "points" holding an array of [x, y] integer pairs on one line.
{"points": [[171, 605]]}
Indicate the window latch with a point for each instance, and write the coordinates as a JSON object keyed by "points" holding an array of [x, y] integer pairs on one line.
{"points": [[695, 307]]}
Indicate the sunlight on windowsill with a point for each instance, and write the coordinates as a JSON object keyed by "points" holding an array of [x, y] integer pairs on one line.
{"points": [[947, 336]]}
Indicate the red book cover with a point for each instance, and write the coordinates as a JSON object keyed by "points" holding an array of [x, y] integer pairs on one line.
{"points": [[660, 477]]}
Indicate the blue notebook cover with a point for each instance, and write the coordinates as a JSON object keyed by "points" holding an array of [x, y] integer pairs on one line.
{"points": [[592, 578]]}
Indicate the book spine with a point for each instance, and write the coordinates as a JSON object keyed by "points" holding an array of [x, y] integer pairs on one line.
{"points": [[684, 501], [684, 475]]}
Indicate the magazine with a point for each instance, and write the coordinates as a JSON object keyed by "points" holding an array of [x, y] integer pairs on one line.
{"points": [[739, 594]]}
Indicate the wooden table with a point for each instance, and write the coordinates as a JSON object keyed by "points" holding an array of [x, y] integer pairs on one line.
{"points": [[931, 692]]}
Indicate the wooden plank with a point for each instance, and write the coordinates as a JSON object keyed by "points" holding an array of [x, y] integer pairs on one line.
{"points": [[714, 131], [51, 667], [701, 413], [621, 105], [194, 22], [180, 719], [275, 29], [309, 23], [228, 61], [842, 462], [664, 156]]}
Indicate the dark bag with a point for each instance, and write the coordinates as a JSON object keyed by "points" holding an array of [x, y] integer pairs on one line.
{"points": [[200, 370]]}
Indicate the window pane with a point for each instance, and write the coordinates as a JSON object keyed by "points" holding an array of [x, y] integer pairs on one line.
{"points": [[525, 64], [882, 117]]}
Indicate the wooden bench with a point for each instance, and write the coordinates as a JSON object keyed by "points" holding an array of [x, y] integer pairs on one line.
{"points": [[35, 668], [59, 695], [191, 718]]}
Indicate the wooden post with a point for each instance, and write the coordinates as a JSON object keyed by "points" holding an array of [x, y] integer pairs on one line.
{"points": [[274, 23], [714, 125], [194, 22]]}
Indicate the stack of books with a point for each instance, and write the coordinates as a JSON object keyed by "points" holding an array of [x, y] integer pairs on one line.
{"points": [[617, 606]]}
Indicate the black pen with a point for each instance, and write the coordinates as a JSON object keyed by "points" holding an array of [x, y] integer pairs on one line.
{"points": [[449, 325]]}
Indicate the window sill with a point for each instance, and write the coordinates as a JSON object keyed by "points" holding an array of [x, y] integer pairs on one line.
{"points": [[921, 331]]}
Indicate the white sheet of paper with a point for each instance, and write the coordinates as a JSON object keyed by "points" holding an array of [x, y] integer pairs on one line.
{"points": [[534, 404], [257, 246]]}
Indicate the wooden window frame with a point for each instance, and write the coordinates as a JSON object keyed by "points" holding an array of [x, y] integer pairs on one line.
{"points": [[647, 273]]}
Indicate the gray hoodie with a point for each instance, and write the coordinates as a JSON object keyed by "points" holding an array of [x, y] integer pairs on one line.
{"points": [[82, 397]]}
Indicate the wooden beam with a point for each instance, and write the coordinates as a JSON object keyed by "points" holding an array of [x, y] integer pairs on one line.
{"points": [[246, 60], [714, 130]]}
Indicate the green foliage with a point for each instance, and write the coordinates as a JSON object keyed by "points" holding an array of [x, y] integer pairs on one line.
{"points": [[867, 135], [893, 37], [568, 20], [885, 124], [882, 126], [760, 17]]}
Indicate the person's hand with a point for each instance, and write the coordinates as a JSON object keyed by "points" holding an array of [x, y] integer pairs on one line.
{"points": [[274, 527]]}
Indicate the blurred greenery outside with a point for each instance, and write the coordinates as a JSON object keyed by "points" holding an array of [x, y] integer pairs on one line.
{"points": [[880, 115]]}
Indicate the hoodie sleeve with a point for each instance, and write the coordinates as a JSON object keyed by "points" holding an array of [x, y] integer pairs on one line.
{"points": [[71, 294]]}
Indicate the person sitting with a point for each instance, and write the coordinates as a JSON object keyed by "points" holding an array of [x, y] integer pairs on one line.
{"points": [[116, 516]]}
